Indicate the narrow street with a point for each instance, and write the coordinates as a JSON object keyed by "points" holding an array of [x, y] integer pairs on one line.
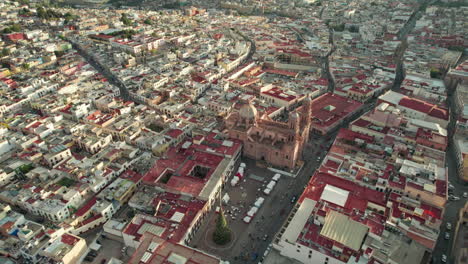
{"points": [[403, 36], [452, 208]]}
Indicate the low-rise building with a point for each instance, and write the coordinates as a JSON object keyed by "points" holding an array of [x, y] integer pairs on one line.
{"points": [[156, 250]]}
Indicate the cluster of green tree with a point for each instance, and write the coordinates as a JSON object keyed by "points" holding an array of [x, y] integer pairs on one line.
{"points": [[456, 48], [59, 53], [459, 3], [126, 33], [24, 12], [222, 234], [148, 21], [127, 21], [354, 29], [48, 14], [26, 168], [26, 66], [69, 17], [67, 182], [4, 52], [435, 73], [11, 29], [339, 28]]}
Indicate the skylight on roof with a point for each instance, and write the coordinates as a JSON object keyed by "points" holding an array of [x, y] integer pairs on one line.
{"points": [[329, 108], [176, 259]]}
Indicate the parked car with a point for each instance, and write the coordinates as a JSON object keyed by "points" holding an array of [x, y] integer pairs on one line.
{"points": [[447, 235], [265, 237], [444, 258], [449, 226]]}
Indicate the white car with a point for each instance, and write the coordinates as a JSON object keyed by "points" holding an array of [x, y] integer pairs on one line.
{"points": [[444, 258], [465, 195], [447, 236], [449, 226]]}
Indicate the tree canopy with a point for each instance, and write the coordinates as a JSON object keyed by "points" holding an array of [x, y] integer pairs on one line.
{"points": [[222, 234], [125, 20]]}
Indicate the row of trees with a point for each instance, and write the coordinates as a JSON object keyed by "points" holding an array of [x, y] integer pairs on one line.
{"points": [[48, 14], [125, 20], [126, 33], [11, 29]]}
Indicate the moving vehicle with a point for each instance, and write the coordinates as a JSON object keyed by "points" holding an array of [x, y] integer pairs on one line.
{"points": [[294, 198], [465, 195], [449, 226], [447, 236], [444, 258]]}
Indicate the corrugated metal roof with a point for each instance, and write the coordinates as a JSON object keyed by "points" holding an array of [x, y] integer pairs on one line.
{"points": [[340, 228]]}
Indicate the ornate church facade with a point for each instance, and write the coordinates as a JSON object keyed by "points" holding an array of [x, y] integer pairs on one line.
{"points": [[278, 143]]}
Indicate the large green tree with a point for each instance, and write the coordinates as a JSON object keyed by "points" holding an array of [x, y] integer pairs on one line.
{"points": [[222, 234]]}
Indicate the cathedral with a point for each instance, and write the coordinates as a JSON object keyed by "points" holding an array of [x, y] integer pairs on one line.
{"points": [[277, 143]]}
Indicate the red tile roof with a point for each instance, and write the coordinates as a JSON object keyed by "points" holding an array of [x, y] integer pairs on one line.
{"points": [[329, 108], [85, 208], [69, 239], [174, 133]]}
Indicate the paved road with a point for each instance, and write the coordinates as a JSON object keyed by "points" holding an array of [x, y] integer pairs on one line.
{"points": [[452, 208]]}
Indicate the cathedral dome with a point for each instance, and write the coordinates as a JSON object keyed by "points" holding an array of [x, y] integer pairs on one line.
{"points": [[294, 116], [248, 111]]}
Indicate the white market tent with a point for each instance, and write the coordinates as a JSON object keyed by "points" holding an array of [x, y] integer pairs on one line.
{"points": [[234, 181], [271, 185], [267, 191], [247, 219], [226, 198], [259, 202], [242, 165], [334, 195], [252, 211], [276, 177]]}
